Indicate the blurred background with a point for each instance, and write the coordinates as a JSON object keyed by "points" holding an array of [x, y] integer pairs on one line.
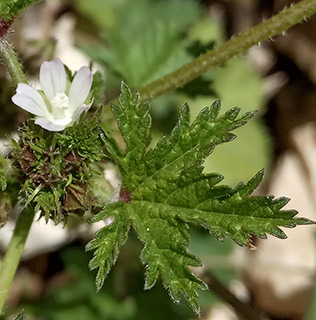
{"points": [[139, 41]]}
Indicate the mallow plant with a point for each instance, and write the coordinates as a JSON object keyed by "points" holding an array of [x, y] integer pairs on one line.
{"points": [[51, 167]]}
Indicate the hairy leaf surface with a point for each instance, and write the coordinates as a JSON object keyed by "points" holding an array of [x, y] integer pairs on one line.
{"points": [[164, 190]]}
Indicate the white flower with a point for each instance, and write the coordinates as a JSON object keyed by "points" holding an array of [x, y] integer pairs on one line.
{"points": [[61, 105]]}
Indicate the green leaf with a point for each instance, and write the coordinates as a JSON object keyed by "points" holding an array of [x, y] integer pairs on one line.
{"points": [[165, 190], [10, 8]]}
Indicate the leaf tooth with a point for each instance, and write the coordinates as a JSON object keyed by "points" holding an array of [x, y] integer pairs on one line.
{"points": [[292, 213], [144, 109], [162, 142], [174, 292], [232, 114], [297, 221], [190, 259], [136, 98], [278, 233], [100, 278], [248, 115], [183, 123], [184, 116], [203, 115], [228, 137], [215, 232], [116, 110], [213, 178], [280, 203], [150, 277], [252, 184], [94, 263], [195, 306], [303, 221], [94, 243], [125, 94], [261, 235], [215, 109]]}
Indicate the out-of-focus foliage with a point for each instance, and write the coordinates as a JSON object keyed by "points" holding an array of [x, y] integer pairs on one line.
{"points": [[141, 38], [236, 84], [123, 297], [78, 299]]}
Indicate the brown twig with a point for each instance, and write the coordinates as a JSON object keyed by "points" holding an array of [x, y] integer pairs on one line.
{"points": [[244, 310]]}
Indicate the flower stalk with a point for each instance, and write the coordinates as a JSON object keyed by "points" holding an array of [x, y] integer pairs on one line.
{"points": [[11, 62], [14, 252]]}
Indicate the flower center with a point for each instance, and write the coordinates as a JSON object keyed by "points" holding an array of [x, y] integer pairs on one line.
{"points": [[60, 106], [60, 101]]}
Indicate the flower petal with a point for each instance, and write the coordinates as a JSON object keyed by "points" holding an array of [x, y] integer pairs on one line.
{"points": [[30, 100], [58, 125], [83, 108], [53, 78], [80, 87]]}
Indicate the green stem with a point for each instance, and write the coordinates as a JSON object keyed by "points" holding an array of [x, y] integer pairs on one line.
{"points": [[13, 254], [11, 62], [235, 46]]}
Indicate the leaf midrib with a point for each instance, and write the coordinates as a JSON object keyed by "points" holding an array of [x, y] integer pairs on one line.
{"points": [[221, 214]]}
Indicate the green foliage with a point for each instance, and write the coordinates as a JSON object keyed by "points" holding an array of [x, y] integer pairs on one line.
{"points": [[164, 190], [148, 44], [230, 84], [76, 298], [54, 168], [10, 8]]}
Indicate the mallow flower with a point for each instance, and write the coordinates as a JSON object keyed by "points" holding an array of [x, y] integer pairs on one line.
{"points": [[60, 103]]}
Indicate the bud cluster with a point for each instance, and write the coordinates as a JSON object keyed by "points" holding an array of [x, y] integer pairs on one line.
{"points": [[54, 168]]}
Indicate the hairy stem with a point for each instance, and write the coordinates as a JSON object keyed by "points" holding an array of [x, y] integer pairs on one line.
{"points": [[235, 46], [11, 63], [13, 254]]}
